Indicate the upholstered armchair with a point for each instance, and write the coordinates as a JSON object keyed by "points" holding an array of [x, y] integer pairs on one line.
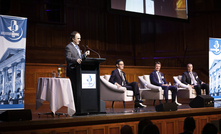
{"points": [[150, 91], [110, 92], [183, 90]]}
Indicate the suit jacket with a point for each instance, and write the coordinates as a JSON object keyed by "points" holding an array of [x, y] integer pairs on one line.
{"points": [[154, 79], [115, 77], [186, 79], [71, 56]]}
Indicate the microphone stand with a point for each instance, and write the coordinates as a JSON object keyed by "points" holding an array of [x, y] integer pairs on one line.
{"points": [[94, 51]]}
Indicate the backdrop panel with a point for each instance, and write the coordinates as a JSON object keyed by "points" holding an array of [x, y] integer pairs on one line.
{"points": [[215, 67], [12, 61]]}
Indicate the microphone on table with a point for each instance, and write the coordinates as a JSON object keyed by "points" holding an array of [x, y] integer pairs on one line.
{"points": [[94, 51]]}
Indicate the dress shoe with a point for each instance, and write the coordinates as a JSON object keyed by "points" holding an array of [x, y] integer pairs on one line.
{"points": [[139, 105]]}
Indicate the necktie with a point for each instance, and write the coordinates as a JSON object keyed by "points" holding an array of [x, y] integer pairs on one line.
{"points": [[160, 78], [122, 76], [193, 79], [79, 52]]}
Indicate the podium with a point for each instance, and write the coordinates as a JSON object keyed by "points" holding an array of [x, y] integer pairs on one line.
{"points": [[87, 87]]}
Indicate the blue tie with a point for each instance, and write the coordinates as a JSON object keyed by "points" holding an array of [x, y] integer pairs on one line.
{"points": [[78, 50]]}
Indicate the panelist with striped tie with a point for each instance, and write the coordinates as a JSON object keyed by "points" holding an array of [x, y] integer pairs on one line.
{"points": [[157, 78], [191, 78]]}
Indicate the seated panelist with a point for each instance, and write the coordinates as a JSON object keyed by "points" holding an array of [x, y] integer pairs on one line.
{"points": [[118, 78], [157, 78]]}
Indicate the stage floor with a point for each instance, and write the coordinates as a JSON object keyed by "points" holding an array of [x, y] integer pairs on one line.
{"points": [[118, 114], [118, 109]]}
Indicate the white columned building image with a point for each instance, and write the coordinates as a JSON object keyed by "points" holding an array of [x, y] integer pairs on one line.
{"points": [[12, 65]]}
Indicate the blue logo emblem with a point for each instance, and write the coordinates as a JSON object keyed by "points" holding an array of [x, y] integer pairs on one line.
{"points": [[13, 30], [215, 46], [90, 81]]}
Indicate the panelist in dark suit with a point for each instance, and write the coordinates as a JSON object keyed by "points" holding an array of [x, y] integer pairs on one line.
{"points": [[74, 57], [118, 78], [157, 78], [191, 78]]}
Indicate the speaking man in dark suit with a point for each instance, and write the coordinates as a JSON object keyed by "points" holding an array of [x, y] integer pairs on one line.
{"points": [[74, 57], [157, 78], [191, 78], [118, 78]]}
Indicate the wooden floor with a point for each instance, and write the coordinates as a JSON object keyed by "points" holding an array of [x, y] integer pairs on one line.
{"points": [[117, 114]]}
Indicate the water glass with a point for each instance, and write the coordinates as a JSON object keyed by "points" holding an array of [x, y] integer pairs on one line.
{"points": [[53, 74]]}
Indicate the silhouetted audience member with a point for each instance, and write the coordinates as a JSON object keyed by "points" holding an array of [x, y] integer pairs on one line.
{"points": [[142, 123], [209, 128], [150, 129], [126, 129], [189, 125]]}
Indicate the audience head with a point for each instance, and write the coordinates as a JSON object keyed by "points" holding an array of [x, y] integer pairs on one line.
{"points": [[142, 123], [189, 124], [157, 66], [209, 128], [150, 129], [120, 64], [126, 129]]}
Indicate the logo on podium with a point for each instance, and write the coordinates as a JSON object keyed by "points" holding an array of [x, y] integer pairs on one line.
{"points": [[88, 81]]}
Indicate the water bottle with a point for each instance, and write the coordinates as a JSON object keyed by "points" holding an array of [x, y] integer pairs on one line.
{"points": [[169, 84], [145, 85]]}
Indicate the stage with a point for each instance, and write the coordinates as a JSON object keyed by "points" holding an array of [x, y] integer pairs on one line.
{"points": [[113, 120]]}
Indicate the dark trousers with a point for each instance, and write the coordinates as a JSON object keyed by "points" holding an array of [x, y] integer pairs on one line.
{"points": [[134, 87], [173, 89], [201, 86]]}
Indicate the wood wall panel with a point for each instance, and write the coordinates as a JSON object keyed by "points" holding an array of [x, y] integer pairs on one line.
{"points": [[165, 126], [57, 37], [170, 127], [43, 39], [202, 122], [139, 40]]}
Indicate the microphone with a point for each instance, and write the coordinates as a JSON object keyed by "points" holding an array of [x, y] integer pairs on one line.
{"points": [[84, 48], [94, 51]]}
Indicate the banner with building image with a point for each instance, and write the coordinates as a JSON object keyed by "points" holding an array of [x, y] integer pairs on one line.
{"points": [[12, 61], [215, 67]]}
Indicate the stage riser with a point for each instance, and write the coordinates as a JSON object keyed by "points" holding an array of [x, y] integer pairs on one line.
{"points": [[166, 126]]}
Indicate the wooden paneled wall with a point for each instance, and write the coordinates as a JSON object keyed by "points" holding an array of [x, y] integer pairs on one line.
{"points": [[138, 40], [33, 71], [165, 126]]}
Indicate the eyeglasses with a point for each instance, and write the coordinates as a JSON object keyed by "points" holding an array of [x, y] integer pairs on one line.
{"points": [[120, 64]]}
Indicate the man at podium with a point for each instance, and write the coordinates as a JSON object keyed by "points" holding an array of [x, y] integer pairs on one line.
{"points": [[118, 78], [74, 56]]}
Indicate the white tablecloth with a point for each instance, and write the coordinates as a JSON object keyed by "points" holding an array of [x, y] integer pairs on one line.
{"points": [[57, 91]]}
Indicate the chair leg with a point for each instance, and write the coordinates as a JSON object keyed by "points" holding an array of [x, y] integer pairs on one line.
{"points": [[124, 103], [113, 104], [154, 102]]}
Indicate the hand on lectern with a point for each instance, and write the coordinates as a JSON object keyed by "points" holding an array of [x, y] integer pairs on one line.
{"points": [[87, 52]]}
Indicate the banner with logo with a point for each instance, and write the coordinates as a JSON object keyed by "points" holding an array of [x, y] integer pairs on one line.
{"points": [[215, 67], [12, 61]]}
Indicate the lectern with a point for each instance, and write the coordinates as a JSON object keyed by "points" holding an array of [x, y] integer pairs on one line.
{"points": [[87, 87]]}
